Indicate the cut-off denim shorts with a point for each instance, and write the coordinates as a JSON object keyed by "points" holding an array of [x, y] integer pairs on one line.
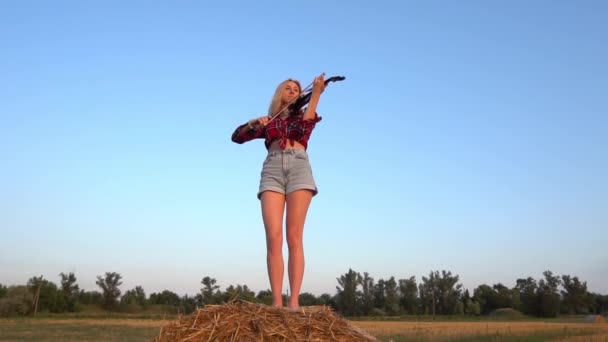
{"points": [[286, 171]]}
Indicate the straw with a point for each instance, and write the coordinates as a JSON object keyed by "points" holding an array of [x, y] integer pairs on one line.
{"points": [[244, 321]]}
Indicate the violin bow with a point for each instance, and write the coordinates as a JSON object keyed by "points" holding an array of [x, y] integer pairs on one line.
{"points": [[304, 97]]}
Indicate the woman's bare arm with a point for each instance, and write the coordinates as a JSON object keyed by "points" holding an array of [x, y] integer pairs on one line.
{"points": [[317, 88]]}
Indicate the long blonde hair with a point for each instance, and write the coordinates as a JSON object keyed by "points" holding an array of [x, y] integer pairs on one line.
{"points": [[275, 103]]}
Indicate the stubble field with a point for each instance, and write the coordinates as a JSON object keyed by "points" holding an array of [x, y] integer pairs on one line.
{"points": [[128, 329]]}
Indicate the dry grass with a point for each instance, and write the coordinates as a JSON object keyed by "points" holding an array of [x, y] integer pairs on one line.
{"points": [[94, 322], [435, 330], [116, 329], [589, 338], [245, 321]]}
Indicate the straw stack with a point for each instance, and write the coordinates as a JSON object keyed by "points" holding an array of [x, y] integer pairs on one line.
{"points": [[244, 321]]}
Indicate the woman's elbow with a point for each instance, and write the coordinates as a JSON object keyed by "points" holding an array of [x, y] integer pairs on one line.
{"points": [[236, 138]]}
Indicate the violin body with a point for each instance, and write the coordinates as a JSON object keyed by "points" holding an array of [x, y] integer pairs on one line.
{"points": [[304, 98]]}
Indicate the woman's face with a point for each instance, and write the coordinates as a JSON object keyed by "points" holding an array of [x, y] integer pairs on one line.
{"points": [[290, 92]]}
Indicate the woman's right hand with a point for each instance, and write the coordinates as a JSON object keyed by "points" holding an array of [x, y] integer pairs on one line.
{"points": [[262, 120]]}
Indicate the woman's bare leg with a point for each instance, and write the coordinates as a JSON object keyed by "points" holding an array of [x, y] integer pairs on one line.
{"points": [[273, 205], [297, 207]]}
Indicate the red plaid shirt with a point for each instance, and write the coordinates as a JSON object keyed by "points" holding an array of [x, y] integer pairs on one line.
{"points": [[293, 128]]}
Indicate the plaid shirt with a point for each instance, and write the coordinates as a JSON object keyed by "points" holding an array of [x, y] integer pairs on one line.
{"points": [[293, 128]]}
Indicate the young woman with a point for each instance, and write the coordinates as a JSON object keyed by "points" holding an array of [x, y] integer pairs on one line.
{"points": [[286, 181]]}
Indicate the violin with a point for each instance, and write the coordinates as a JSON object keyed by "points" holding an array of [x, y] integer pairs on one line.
{"points": [[304, 98]]}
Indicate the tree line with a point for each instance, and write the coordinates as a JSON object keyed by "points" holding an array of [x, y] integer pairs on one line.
{"points": [[439, 293]]}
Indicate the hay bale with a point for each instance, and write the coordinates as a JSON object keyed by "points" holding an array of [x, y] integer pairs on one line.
{"points": [[244, 321], [594, 319]]}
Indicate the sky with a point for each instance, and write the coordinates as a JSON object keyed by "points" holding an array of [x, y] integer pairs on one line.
{"points": [[468, 136]]}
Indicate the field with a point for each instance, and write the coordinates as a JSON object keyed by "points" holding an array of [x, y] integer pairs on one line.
{"points": [[134, 329], [485, 331]]}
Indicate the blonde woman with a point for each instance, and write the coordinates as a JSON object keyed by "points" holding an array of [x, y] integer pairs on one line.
{"points": [[287, 184]]}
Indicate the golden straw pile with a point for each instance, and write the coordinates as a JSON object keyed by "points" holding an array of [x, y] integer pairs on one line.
{"points": [[244, 321]]}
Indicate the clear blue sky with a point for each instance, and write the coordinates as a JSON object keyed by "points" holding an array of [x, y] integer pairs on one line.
{"points": [[469, 136]]}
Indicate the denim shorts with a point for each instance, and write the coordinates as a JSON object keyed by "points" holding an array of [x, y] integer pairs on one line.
{"points": [[286, 171]]}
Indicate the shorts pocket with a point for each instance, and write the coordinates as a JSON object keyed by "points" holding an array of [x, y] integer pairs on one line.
{"points": [[302, 156], [267, 159]]}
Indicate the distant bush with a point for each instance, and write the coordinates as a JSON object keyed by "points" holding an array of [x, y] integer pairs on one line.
{"points": [[473, 308], [3, 290], [17, 301], [506, 313], [130, 308], [377, 312]]}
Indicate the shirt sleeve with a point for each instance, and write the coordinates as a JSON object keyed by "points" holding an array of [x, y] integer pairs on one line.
{"points": [[307, 126], [243, 133]]}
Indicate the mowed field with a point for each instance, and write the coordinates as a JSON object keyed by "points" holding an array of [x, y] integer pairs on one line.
{"points": [[128, 329]]}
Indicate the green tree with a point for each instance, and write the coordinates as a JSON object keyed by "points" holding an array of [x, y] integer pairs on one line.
{"points": [[69, 289], [90, 297], [380, 296], [367, 294], [428, 293], [465, 299], [486, 297], [165, 298], [210, 291], [527, 289], [391, 298], [574, 294], [49, 296], [348, 294], [440, 293], [308, 299], [136, 296], [458, 308], [239, 292], [548, 295], [472, 308], [327, 299], [109, 287], [18, 300], [3, 290], [516, 299], [601, 304], [450, 292], [264, 297], [408, 295], [504, 296], [598, 303], [187, 305]]}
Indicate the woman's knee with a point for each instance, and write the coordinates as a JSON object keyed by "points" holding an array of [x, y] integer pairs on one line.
{"points": [[294, 240], [274, 241]]}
